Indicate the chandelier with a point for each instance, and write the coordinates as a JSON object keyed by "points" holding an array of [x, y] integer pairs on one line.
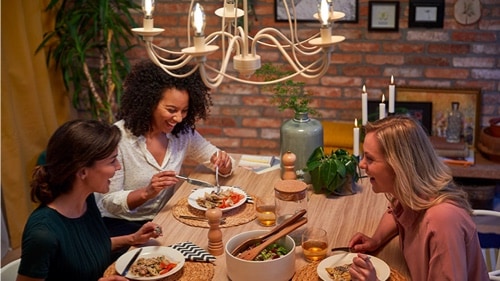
{"points": [[234, 41]]}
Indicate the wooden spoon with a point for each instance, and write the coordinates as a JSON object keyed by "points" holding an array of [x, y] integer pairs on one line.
{"points": [[252, 241]]}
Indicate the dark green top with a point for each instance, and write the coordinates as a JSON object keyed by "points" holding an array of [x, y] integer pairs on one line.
{"points": [[55, 247]]}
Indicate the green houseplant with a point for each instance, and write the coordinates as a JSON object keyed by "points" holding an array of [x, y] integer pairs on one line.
{"points": [[333, 173], [89, 44]]}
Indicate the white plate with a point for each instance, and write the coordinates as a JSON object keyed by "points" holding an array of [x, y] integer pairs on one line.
{"points": [[201, 193], [150, 252], [383, 270]]}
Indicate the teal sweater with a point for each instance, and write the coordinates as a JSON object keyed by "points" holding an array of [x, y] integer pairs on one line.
{"points": [[55, 247]]}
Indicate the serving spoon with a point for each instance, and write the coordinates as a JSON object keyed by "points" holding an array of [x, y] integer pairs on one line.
{"points": [[259, 239], [217, 190]]}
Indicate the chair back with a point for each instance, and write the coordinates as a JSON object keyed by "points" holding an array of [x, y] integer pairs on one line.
{"points": [[9, 271], [488, 228]]}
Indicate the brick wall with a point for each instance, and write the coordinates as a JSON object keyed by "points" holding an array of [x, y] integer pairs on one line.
{"points": [[242, 119]]}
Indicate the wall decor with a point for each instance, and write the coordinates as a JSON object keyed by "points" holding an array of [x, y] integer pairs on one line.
{"points": [[305, 9], [426, 13], [420, 111], [441, 99], [383, 15]]}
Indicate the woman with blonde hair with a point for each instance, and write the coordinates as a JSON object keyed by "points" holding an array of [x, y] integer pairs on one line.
{"points": [[427, 210]]}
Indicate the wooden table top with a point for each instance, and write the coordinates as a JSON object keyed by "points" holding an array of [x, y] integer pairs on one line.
{"points": [[340, 216]]}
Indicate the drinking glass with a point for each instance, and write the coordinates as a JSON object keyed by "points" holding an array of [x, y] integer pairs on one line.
{"points": [[266, 210], [314, 244]]}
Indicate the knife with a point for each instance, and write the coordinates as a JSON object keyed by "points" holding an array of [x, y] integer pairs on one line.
{"points": [[131, 262], [195, 182]]}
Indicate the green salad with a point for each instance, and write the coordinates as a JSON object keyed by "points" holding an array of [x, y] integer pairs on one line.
{"points": [[271, 252]]}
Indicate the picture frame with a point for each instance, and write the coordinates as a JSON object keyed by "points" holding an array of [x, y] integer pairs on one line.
{"points": [[383, 15], [420, 111], [426, 13], [305, 10], [441, 99]]}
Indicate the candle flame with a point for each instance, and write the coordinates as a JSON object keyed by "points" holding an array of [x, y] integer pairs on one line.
{"points": [[148, 6], [198, 19], [364, 89], [383, 98], [356, 122], [324, 12], [392, 79]]}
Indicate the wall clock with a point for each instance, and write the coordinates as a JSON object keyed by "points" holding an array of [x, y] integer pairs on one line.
{"points": [[467, 11]]}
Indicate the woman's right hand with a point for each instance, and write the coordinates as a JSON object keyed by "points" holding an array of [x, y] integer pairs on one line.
{"points": [[361, 243], [160, 181]]}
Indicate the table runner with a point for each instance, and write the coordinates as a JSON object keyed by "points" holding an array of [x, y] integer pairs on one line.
{"points": [[191, 271], [308, 273], [237, 216]]}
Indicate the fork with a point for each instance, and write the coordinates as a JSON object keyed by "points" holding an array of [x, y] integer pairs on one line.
{"points": [[217, 190]]}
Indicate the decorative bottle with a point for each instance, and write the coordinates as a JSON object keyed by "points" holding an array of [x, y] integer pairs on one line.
{"points": [[301, 136], [455, 123]]}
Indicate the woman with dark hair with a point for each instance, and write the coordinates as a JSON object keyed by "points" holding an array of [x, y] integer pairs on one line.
{"points": [[429, 213], [158, 115], [65, 237]]}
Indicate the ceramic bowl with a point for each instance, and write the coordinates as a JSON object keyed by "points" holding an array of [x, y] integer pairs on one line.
{"points": [[281, 269]]}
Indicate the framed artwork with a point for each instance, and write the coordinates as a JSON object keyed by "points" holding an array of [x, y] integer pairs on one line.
{"points": [[420, 111], [441, 100], [383, 15], [305, 10], [426, 13]]}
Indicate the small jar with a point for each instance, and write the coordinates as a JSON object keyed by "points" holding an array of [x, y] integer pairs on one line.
{"points": [[290, 197]]}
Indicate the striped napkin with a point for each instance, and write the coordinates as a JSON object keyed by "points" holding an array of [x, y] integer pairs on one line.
{"points": [[193, 252]]}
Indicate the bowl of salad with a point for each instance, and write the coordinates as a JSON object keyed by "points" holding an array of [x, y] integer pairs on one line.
{"points": [[275, 263]]}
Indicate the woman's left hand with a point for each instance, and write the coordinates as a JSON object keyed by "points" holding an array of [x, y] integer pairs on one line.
{"points": [[223, 161], [362, 268], [147, 231]]}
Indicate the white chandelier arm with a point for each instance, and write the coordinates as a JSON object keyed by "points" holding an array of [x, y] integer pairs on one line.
{"points": [[168, 68], [179, 55], [294, 46]]}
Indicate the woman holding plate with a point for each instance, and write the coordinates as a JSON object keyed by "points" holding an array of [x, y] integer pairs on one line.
{"points": [[429, 213], [158, 115]]}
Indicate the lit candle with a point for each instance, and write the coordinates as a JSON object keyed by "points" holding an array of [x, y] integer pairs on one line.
{"points": [[324, 18], [392, 95], [198, 23], [355, 133], [148, 7], [381, 108], [364, 106]]}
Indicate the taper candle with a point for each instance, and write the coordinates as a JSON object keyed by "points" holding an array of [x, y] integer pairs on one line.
{"points": [[355, 134], [381, 108], [364, 106], [392, 95]]}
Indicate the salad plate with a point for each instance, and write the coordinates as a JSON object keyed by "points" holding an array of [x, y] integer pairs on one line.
{"points": [[171, 254], [228, 194], [383, 270]]}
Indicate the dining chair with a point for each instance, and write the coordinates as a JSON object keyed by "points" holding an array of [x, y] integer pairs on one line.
{"points": [[9, 271], [488, 228]]}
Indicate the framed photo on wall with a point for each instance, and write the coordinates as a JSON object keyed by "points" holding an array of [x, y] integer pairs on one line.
{"points": [[426, 13], [383, 16], [305, 10]]}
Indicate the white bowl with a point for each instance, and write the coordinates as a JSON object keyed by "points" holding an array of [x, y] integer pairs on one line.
{"points": [[281, 269]]}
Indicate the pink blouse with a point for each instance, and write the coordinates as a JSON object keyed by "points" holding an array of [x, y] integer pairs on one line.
{"points": [[440, 243]]}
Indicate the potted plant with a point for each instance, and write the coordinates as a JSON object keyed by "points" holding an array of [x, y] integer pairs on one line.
{"points": [[300, 134], [89, 44], [333, 173]]}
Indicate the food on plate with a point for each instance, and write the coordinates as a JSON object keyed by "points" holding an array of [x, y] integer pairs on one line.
{"points": [[271, 252], [339, 273], [225, 199], [149, 267], [158, 230]]}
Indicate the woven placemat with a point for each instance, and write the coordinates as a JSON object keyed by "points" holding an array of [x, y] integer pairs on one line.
{"points": [[308, 273], [191, 271], [237, 216]]}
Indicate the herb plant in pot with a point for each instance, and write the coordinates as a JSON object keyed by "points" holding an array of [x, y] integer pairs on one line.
{"points": [[333, 173], [301, 134]]}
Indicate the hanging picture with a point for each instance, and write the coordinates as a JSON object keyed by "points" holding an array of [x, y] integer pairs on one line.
{"points": [[305, 10]]}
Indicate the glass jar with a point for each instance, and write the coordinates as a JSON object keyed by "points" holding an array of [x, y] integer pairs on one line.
{"points": [[290, 197]]}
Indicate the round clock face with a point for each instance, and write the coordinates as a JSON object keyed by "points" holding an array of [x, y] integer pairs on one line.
{"points": [[467, 11]]}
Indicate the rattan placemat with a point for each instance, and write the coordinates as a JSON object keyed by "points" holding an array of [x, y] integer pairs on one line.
{"points": [[308, 273], [191, 271], [237, 216]]}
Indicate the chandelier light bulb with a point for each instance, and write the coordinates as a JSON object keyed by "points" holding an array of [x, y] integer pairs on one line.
{"points": [[148, 7], [198, 20], [324, 13]]}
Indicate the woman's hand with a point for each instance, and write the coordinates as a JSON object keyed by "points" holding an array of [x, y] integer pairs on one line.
{"points": [[361, 243], [160, 181], [147, 231], [362, 269], [223, 161]]}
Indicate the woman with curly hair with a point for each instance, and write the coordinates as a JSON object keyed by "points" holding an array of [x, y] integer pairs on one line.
{"points": [[158, 115], [430, 214]]}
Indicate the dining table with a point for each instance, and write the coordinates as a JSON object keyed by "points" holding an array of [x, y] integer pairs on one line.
{"points": [[340, 216]]}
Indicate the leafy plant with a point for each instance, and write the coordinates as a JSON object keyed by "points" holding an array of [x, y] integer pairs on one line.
{"points": [[288, 94], [89, 43], [330, 173]]}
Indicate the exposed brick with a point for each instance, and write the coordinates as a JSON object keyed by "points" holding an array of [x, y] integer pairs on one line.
{"points": [[427, 60], [240, 132], [450, 73], [448, 48], [402, 48], [385, 59], [471, 36], [486, 74], [474, 62], [259, 143], [429, 36]]}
